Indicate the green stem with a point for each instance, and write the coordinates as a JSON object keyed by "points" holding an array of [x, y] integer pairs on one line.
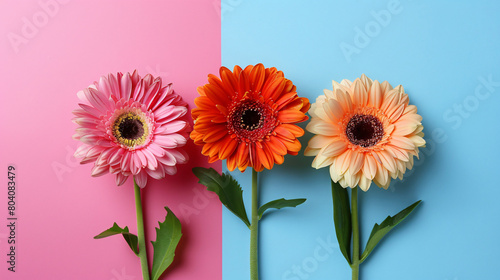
{"points": [[254, 230], [140, 233], [355, 234]]}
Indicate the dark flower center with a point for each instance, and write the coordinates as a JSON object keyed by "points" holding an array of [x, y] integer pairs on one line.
{"points": [[131, 128], [251, 121], [364, 130]]}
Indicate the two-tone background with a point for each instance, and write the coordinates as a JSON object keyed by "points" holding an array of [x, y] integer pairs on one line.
{"points": [[446, 55]]}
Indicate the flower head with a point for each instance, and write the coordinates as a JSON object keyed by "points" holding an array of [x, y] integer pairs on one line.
{"points": [[365, 131], [131, 126], [247, 117]]}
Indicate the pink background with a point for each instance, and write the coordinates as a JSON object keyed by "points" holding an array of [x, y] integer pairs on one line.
{"points": [[47, 53]]}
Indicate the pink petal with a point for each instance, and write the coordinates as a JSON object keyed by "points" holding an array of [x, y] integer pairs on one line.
{"points": [[116, 156], [91, 110], [157, 173], [100, 170], [125, 164], [180, 155], [104, 87], [138, 93], [120, 179], [170, 170], [156, 150], [142, 158], [152, 92], [168, 159], [164, 93], [169, 113], [175, 126], [135, 163], [152, 162], [141, 179], [97, 99], [82, 151], [126, 86]]}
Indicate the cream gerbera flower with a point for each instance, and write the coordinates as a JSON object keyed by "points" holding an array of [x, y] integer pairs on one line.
{"points": [[365, 131]]}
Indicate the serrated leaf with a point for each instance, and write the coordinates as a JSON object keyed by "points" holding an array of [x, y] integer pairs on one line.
{"points": [[342, 219], [167, 238], [130, 238], [226, 187], [379, 231], [280, 203]]}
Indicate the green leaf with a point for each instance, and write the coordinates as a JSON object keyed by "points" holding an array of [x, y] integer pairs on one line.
{"points": [[280, 203], [167, 239], [226, 187], [129, 237], [379, 231], [342, 219]]}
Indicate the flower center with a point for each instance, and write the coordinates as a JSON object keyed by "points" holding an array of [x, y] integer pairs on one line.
{"points": [[251, 121], [130, 129], [364, 130]]}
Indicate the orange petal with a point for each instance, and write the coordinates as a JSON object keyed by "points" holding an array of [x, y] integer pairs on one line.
{"points": [[277, 146], [216, 95], [242, 153], [257, 76], [275, 89], [243, 83], [281, 130], [296, 130], [293, 147], [231, 163], [215, 133], [263, 158], [228, 79], [228, 149], [375, 95], [291, 116], [370, 167]]}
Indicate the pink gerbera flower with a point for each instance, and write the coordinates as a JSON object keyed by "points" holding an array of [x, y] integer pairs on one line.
{"points": [[131, 126]]}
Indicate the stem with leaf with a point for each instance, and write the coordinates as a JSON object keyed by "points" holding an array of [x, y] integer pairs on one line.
{"points": [[254, 230], [355, 234], [140, 233], [347, 224], [230, 194]]}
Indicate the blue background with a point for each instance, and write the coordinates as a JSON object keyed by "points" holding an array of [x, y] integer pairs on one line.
{"points": [[441, 53]]}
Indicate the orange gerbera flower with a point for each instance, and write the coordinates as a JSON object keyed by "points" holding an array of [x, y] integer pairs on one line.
{"points": [[364, 131], [247, 117]]}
